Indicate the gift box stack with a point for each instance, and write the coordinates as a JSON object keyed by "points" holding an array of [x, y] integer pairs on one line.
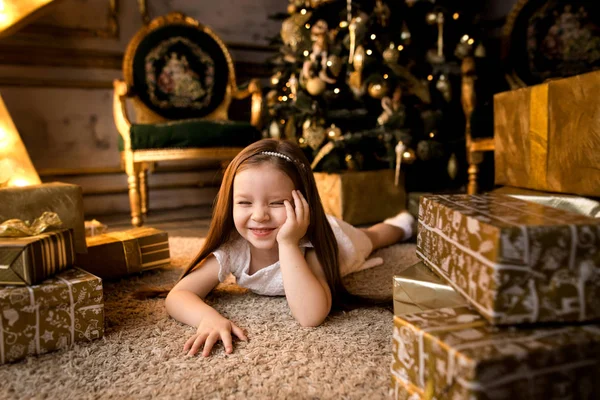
{"points": [[47, 303], [529, 272]]}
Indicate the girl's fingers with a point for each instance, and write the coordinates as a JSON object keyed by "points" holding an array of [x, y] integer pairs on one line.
{"points": [[299, 206], [188, 344], [210, 342], [288, 209], [197, 344], [227, 341], [305, 206], [239, 332]]}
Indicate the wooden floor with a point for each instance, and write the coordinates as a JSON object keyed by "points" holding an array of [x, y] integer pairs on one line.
{"points": [[189, 222]]}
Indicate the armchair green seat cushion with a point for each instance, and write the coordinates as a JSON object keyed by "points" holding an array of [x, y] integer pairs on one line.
{"points": [[191, 133]]}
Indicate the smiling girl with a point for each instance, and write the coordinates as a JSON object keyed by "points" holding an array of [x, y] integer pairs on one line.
{"points": [[270, 231]]}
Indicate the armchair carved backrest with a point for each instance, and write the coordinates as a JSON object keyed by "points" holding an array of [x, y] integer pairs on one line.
{"points": [[181, 79]]}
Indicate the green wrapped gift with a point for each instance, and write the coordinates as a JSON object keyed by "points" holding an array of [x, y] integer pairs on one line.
{"points": [[515, 261], [32, 259], [118, 254], [453, 353], [52, 315], [418, 289]]}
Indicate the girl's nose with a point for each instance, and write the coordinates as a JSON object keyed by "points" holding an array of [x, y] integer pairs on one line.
{"points": [[260, 214]]}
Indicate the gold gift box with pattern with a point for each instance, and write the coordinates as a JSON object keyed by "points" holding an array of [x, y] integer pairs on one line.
{"points": [[361, 197], [118, 254], [453, 353], [60, 311], [29, 202], [418, 289], [546, 136], [515, 261], [32, 259]]}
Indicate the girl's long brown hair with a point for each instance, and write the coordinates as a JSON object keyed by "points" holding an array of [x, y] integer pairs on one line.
{"points": [[319, 231]]}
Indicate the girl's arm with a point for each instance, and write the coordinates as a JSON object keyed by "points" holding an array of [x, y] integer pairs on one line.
{"points": [[185, 304], [306, 288]]}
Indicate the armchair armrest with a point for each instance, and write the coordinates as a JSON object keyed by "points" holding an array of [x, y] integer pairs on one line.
{"points": [[121, 92], [252, 89]]}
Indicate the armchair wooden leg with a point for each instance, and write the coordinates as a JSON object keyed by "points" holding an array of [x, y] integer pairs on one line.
{"points": [[134, 194], [143, 179], [475, 158]]}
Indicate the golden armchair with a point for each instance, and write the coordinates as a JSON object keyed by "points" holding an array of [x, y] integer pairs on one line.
{"points": [[475, 146], [180, 78]]}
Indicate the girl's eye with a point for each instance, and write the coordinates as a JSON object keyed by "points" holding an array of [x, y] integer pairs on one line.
{"points": [[243, 203], [277, 203]]}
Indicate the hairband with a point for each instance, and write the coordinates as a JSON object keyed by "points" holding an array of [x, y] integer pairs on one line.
{"points": [[273, 153]]}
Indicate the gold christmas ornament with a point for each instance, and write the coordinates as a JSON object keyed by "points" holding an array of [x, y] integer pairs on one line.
{"points": [[377, 90], [431, 18], [333, 132], [452, 166], [315, 86], [409, 156], [359, 58], [290, 129], [274, 130], [334, 63], [293, 32], [313, 134], [351, 163], [291, 8], [444, 87], [391, 54]]}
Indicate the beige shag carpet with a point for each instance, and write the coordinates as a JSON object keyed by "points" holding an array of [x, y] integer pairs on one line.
{"points": [[140, 356]]}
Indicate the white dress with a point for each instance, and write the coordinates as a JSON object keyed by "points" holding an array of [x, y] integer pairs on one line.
{"points": [[234, 257]]}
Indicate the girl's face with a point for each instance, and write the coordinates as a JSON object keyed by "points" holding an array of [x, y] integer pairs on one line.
{"points": [[258, 209]]}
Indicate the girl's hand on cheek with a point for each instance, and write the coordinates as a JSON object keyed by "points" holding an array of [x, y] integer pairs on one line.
{"points": [[298, 219]]}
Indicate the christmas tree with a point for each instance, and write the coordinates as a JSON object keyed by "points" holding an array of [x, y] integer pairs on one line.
{"points": [[372, 84]]}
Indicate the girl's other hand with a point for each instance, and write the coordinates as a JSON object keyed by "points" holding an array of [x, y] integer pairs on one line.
{"points": [[298, 219], [210, 330]]}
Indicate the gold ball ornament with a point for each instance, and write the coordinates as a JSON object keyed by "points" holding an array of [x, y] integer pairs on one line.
{"points": [[377, 90], [315, 86], [333, 132], [291, 8], [431, 18], [409, 156], [391, 54]]}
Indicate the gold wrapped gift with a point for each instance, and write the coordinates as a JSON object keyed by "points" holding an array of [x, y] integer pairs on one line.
{"points": [[361, 197], [453, 353], [32, 259], [418, 289], [118, 254], [29, 202], [577, 204], [52, 315], [402, 390], [547, 137], [515, 261]]}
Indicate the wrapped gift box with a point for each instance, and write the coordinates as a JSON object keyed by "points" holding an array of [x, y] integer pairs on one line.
{"points": [[361, 197], [52, 315], [515, 261], [29, 202], [418, 289], [453, 353], [547, 137], [32, 259], [402, 390], [118, 254]]}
